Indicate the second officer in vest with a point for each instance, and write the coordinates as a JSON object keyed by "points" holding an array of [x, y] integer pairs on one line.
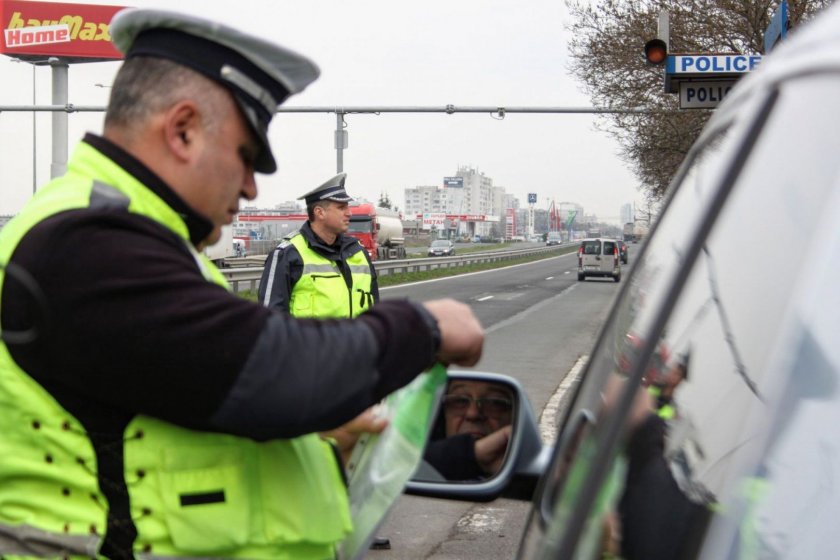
{"points": [[318, 271]]}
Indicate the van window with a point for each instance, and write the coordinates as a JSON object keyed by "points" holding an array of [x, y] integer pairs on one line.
{"points": [[609, 248], [591, 247]]}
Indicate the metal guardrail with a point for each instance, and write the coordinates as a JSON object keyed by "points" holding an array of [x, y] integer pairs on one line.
{"points": [[247, 277]]}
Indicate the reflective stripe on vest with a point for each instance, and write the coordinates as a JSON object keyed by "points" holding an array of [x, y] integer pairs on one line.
{"points": [[23, 540], [322, 290], [191, 494]]}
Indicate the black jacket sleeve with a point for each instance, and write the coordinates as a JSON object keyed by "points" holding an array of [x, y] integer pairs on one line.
{"points": [[454, 458], [658, 520], [283, 268], [374, 281], [134, 328]]}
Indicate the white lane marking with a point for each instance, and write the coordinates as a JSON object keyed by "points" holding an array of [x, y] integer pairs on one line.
{"points": [[485, 298], [550, 278], [525, 312], [568, 272], [548, 418]]}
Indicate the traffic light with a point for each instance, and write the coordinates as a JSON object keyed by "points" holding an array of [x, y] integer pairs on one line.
{"points": [[656, 51]]}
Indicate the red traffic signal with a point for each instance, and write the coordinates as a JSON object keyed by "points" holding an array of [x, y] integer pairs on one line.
{"points": [[656, 51]]}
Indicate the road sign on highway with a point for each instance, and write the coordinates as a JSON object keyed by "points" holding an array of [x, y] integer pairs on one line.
{"points": [[703, 95], [778, 27]]}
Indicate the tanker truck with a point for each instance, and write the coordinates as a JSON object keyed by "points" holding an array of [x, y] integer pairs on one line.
{"points": [[379, 230], [224, 248]]}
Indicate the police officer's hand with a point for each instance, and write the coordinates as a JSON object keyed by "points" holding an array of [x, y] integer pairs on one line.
{"points": [[461, 335], [347, 435]]}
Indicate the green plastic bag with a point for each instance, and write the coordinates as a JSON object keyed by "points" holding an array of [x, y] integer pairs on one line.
{"points": [[382, 463]]}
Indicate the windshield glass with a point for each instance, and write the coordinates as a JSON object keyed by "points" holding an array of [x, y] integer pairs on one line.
{"points": [[361, 226], [440, 243]]}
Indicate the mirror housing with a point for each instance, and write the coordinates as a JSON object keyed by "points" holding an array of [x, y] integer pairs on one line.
{"points": [[526, 460]]}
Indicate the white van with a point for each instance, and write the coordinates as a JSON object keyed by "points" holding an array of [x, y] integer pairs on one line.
{"points": [[599, 257]]}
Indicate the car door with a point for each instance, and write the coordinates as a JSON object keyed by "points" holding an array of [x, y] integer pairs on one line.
{"points": [[609, 256], [706, 479], [590, 250]]}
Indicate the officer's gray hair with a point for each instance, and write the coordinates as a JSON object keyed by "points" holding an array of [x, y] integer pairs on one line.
{"points": [[145, 86], [310, 208]]}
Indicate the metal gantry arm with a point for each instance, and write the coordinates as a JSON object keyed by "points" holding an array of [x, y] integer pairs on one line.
{"points": [[341, 136]]}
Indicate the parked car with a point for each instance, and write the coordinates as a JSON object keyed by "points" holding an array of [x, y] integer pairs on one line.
{"points": [[599, 257], [441, 247], [706, 422], [622, 250]]}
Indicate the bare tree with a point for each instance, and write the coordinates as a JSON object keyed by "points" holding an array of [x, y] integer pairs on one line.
{"points": [[607, 50]]}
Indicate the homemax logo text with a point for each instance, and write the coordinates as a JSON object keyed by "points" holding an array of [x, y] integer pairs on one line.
{"points": [[23, 33]]}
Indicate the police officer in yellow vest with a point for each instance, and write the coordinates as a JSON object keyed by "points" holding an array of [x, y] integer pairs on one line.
{"points": [[146, 411], [318, 271]]}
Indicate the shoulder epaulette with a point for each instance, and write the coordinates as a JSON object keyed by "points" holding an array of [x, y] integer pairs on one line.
{"points": [[288, 240]]}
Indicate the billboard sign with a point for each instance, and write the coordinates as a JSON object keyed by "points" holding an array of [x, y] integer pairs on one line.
{"points": [[434, 219], [35, 30], [453, 182], [532, 198]]}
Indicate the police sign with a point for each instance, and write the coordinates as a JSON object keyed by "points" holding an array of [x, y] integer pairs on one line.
{"points": [[681, 64], [703, 95], [532, 198], [682, 68]]}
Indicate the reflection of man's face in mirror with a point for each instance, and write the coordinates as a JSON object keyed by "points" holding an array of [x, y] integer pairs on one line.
{"points": [[476, 408]]}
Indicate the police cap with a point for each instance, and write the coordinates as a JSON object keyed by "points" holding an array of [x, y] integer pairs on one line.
{"points": [[259, 74], [331, 190]]}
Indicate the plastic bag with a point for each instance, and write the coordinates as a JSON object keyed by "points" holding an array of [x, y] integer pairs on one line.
{"points": [[381, 464]]}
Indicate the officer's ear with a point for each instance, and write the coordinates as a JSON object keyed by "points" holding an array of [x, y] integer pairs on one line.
{"points": [[181, 129]]}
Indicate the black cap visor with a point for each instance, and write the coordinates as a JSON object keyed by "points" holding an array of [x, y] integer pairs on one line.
{"points": [[265, 162]]}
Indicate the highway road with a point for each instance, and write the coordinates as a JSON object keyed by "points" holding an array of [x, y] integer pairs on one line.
{"points": [[539, 321]]}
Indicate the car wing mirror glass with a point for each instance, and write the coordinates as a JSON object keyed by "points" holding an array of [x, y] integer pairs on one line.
{"points": [[510, 469], [471, 433]]}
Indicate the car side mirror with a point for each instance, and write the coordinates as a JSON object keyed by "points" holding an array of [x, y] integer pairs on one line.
{"points": [[484, 442]]}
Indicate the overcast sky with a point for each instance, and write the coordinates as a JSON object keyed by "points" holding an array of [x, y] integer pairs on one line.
{"points": [[383, 53]]}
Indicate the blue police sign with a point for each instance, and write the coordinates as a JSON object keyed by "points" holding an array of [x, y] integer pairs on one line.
{"points": [[711, 63], [532, 198], [681, 68]]}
